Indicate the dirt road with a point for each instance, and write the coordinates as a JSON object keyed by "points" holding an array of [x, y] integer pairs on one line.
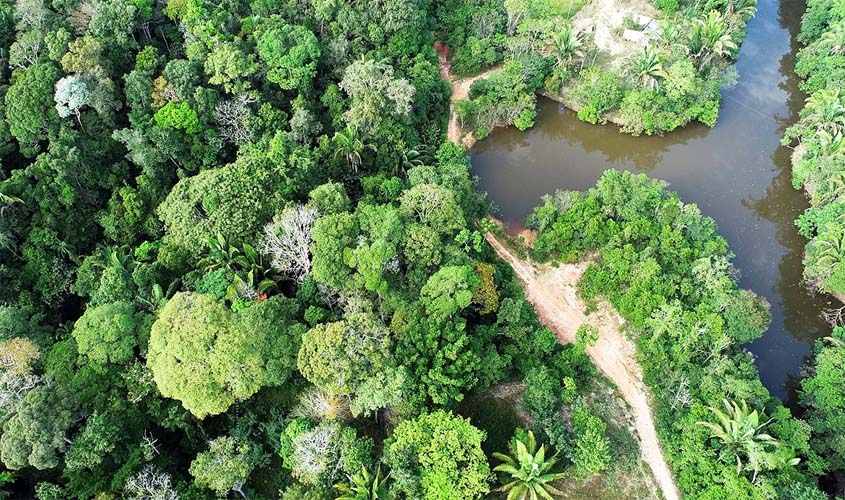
{"points": [[552, 290], [460, 90]]}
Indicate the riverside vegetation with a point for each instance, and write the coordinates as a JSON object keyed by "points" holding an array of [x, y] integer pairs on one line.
{"points": [[818, 167], [670, 78]]}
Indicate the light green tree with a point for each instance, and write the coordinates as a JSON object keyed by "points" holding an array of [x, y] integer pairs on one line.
{"points": [[449, 290], [290, 53], [333, 236], [329, 198], [434, 206], [375, 95], [438, 456], [108, 333], [230, 67], [225, 466], [338, 357], [199, 357]]}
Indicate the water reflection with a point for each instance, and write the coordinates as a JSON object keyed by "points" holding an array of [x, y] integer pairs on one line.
{"points": [[736, 172]]}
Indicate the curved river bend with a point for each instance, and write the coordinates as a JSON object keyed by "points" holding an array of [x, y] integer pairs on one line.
{"points": [[736, 172]]}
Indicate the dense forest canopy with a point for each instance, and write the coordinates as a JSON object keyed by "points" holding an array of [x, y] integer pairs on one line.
{"points": [[239, 259]]}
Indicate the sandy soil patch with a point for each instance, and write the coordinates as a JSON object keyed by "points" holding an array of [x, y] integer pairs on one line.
{"points": [[605, 19], [460, 90]]}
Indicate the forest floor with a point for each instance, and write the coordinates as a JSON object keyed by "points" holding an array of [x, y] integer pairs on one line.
{"points": [[460, 90], [553, 292]]}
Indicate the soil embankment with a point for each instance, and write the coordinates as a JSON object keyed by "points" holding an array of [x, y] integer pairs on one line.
{"points": [[553, 292]]}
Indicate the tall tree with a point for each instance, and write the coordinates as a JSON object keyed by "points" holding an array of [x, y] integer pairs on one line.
{"points": [[36, 434], [438, 456], [226, 465], [199, 357], [30, 110], [290, 53]]}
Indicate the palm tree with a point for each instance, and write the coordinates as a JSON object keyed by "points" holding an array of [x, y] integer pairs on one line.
{"points": [[6, 202], [829, 248], [834, 40], [567, 44], [363, 486], [7, 236], [737, 13], [833, 190], [825, 110], [411, 158], [350, 145], [528, 469], [710, 37], [118, 257], [648, 68], [830, 144], [740, 432], [221, 254]]}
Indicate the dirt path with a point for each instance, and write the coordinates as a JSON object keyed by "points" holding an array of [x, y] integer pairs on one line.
{"points": [[552, 290], [460, 90]]}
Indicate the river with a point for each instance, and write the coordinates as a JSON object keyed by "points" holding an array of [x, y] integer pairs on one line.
{"points": [[736, 172]]}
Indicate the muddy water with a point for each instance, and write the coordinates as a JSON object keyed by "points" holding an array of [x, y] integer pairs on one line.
{"points": [[736, 172]]}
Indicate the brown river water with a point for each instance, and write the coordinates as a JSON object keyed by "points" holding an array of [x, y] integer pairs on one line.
{"points": [[736, 172]]}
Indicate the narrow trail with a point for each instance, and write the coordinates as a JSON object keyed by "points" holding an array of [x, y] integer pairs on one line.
{"points": [[552, 291], [460, 90]]}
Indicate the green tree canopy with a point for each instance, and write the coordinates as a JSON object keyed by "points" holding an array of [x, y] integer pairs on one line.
{"points": [[30, 110], [338, 357], [449, 290], [108, 333], [438, 456], [200, 358], [226, 465], [36, 434], [433, 206], [823, 394], [234, 201], [290, 53], [375, 94]]}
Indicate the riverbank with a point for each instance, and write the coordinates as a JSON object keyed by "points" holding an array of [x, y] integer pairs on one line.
{"points": [[609, 61], [736, 172], [817, 158], [553, 292]]}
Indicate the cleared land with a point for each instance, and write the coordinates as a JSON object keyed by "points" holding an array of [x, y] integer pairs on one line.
{"points": [[606, 20], [460, 90], [553, 292]]}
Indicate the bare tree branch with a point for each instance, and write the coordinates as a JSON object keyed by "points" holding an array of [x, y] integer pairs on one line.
{"points": [[287, 241]]}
